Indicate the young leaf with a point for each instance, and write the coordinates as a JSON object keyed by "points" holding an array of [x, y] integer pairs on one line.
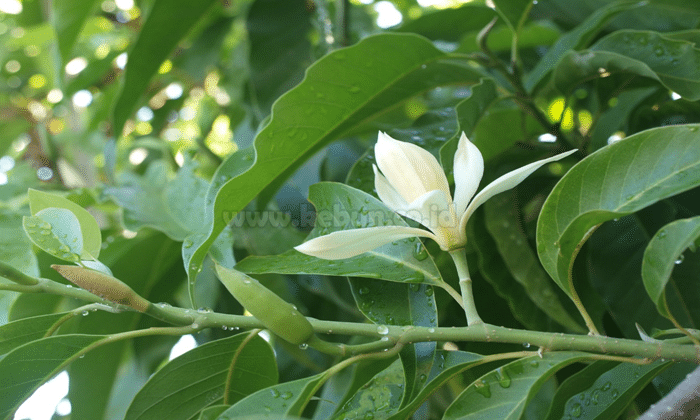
{"points": [[511, 386], [613, 182], [663, 252], [339, 207], [91, 235], [24, 369], [57, 232], [221, 368]]}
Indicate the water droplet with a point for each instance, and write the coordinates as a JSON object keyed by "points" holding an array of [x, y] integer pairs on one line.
{"points": [[422, 377], [483, 388], [576, 410], [354, 89], [45, 225], [85, 313], [303, 346], [526, 345], [680, 259], [535, 364], [64, 248], [503, 378], [419, 252], [187, 244], [275, 393], [431, 330], [606, 386], [382, 329], [615, 393], [659, 51], [363, 291], [204, 310], [429, 291], [414, 287], [30, 223], [662, 234], [287, 395]]}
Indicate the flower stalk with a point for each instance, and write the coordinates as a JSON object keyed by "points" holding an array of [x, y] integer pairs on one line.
{"points": [[465, 285]]}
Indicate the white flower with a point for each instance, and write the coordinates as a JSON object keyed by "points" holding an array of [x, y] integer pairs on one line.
{"points": [[413, 184]]}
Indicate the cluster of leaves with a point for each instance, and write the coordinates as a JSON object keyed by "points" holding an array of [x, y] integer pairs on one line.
{"points": [[209, 145]]}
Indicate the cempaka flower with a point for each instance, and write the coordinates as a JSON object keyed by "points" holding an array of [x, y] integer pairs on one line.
{"points": [[411, 182]]}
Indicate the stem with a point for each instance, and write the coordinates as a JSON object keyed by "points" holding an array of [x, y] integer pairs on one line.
{"points": [[193, 320], [465, 285]]}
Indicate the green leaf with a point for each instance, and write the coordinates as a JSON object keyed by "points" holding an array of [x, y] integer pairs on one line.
{"points": [[514, 12], [663, 253], [17, 333], [447, 364], [504, 392], [91, 235], [673, 61], [380, 397], [167, 23], [15, 247], [450, 24], [377, 74], [68, 19], [280, 47], [212, 412], [279, 401], [614, 181], [24, 369], [576, 39], [57, 232], [175, 207], [213, 373], [605, 392], [503, 224], [340, 207], [615, 118]]}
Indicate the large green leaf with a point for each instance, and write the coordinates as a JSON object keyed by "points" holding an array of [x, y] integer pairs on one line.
{"points": [[604, 394], [503, 224], [576, 39], [674, 62], [15, 247], [24, 369], [167, 23], [23, 331], [504, 392], [450, 24], [92, 237], [340, 207], [222, 368], [663, 253], [613, 182], [279, 401], [377, 74]]}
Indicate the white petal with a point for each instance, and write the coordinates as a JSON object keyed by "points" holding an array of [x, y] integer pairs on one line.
{"points": [[432, 210], [506, 182], [387, 193], [468, 170], [349, 243], [411, 170]]}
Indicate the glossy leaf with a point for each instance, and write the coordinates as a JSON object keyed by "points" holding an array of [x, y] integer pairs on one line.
{"points": [[212, 412], [450, 24], [673, 61], [664, 252], [15, 247], [278, 401], [222, 368], [57, 232], [503, 224], [339, 207], [379, 398], [610, 392], [511, 385], [377, 73], [23, 331], [166, 24], [613, 182], [92, 237], [24, 369], [447, 364], [576, 39]]}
